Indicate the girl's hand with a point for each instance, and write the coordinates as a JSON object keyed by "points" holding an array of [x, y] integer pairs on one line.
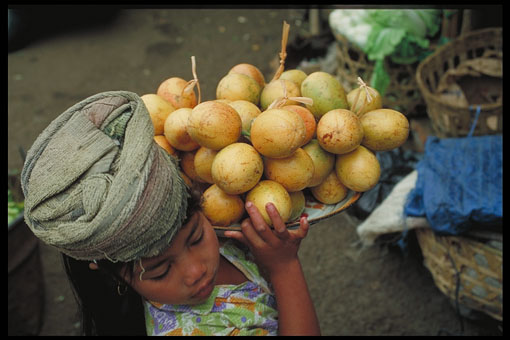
{"points": [[274, 249]]}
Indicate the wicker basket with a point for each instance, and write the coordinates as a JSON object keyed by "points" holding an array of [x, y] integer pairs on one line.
{"points": [[450, 120], [402, 93], [475, 268]]}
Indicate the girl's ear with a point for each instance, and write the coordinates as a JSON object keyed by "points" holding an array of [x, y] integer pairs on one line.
{"points": [[93, 266]]}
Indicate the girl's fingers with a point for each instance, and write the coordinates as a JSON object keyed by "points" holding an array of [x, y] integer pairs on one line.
{"points": [[237, 235], [278, 224], [251, 235], [304, 226], [259, 224], [255, 216]]}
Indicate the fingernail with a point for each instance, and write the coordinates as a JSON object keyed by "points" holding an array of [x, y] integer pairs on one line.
{"points": [[249, 204]]}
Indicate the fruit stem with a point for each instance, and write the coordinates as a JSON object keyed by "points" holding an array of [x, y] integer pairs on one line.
{"points": [[283, 53], [191, 84]]}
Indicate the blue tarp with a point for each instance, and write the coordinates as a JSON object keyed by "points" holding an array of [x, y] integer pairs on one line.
{"points": [[460, 183]]}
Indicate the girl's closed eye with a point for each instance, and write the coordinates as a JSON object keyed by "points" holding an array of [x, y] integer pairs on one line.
{"points": [[160, 277], [194, 242], [198, 239]]}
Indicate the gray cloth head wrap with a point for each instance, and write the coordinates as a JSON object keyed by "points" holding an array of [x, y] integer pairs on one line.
{"points": [[97, 186]]}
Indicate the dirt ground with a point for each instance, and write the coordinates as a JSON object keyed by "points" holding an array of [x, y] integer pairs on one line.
{"points": [[378, 291]]}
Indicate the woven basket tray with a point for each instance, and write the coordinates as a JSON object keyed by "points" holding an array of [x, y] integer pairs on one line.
{"points": [[477, 266], [402, 93], [450, 120]]}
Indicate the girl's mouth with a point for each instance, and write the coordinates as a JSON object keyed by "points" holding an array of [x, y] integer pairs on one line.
{"points": [[204, 291]]}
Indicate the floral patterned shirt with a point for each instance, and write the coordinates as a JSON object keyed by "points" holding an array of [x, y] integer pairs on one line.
{"points": [[245, 309]]}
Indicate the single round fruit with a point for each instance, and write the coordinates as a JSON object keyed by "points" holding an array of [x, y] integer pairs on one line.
{"points": [[159, 109], [270, 191], [236, 86], [247, 111], [339, 131], [221, 208], [163, 142], [277, 133], [294, 172], [275, 90], [326, 91], [251, 71], [298, 204], [214, 125], [384, 129], [172, 91], [237, 168], [359, 103], [187, 164], [203, 163], [323, 161], [176, 133], [308, 119], [359, 170], [294, 75], [331, 190]]}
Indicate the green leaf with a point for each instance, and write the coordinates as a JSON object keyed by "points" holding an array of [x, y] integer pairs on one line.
{"points": [[380, 78]]}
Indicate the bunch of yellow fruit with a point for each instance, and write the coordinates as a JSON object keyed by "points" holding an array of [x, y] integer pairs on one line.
{"points": [[273, 141]]}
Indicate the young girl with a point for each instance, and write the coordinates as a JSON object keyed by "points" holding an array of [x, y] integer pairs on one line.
{"points": [[140, 255]]}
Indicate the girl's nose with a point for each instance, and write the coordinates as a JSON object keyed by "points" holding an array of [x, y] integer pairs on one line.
{"points": [[194, 270]]}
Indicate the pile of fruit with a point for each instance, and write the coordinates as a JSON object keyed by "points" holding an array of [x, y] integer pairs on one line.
{"points": [[297, 135]]}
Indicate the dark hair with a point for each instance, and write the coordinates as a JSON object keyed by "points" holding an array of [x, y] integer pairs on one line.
{"points": [[108, 304], [103, 310]]}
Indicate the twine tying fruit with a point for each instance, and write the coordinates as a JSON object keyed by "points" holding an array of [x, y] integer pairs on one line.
{"points": [[190, 85], [283, 53], [363, 85], [281, 101]]}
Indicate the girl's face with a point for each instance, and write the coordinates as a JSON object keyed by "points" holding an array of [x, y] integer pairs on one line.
{"points": [[186, 271]]}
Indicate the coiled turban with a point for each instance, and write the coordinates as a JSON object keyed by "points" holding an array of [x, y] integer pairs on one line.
{"points": [[97, 186]]}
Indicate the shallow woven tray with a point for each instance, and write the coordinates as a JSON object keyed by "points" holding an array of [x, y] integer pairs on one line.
{"points": [[475, 267], [315, 211], [450, 120]]}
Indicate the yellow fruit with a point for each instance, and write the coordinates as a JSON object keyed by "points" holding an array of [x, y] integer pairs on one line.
{"points": [[176, 133], [275, 90], [251, 71], [159, 109], [326, 91], [163, 142], [270, 191], [247, 111], [384, 129], [294, 172], [277, 133], [221, 208], [237, 86], [298, 204], [308, 119], [339, 131], [237, 168], [296, 76], [359, 103], [203, 163], [323, 161], [187, 165], [331, 190], [172, 90], [359, 170], [214, 125]]}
